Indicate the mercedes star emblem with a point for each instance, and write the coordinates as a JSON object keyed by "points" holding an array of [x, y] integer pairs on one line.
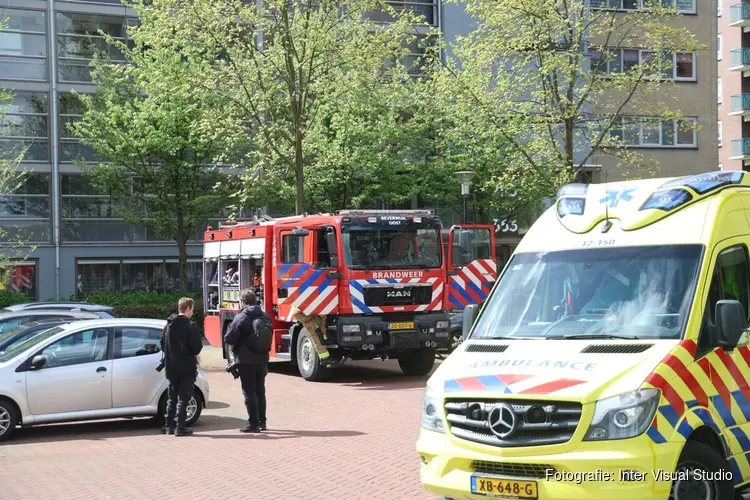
{"points": [[502, 420]]}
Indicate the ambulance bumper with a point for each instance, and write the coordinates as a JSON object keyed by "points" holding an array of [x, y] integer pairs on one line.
{"points": [[591, 471]]}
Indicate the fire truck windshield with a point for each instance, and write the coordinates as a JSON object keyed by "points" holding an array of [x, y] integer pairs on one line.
{"points": [[378, 247]]}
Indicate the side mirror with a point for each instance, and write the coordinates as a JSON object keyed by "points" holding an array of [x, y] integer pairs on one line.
{"points": [[470, 314], [331, 241], [37, 362], [731, 323], [300, 232]]}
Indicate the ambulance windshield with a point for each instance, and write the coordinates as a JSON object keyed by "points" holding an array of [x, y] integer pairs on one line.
{"points": [[373, 247], [632, 292]]}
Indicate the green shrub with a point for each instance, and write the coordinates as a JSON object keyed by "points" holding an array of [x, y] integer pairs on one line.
{"points": [[12, 298], [156, 311]]}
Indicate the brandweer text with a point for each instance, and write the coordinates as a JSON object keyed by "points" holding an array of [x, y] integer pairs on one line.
{"points": [[397, 274]]}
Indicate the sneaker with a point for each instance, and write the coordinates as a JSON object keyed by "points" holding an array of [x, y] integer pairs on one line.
{"points": [[263, 426], [250, 429], [167, 430], [183, 432]]}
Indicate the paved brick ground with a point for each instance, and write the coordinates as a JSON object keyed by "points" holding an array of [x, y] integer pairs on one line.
{"points": [[352, 438]]}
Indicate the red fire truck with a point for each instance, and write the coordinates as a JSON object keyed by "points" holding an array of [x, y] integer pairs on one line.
{"points": [[384, 280]]}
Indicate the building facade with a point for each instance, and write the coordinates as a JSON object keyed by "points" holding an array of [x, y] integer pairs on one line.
{"points": [[733, 84], [80, 246]]}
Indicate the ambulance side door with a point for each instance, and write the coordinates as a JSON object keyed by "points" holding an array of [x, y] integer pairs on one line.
{"points": [[471, 265], [728, 372]]}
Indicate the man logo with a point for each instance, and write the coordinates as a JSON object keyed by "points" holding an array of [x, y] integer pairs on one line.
{"points": [[398, 294]]}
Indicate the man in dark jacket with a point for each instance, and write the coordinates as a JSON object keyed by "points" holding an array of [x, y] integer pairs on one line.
{"points": [[253, 366], [181, 343]]}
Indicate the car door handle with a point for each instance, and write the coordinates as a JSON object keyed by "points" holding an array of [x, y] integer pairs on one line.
{"points": [[101, 369]]}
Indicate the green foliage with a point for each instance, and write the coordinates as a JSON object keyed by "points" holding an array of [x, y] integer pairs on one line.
{"points": [[150, 305], [12, 298], [524, 79]]}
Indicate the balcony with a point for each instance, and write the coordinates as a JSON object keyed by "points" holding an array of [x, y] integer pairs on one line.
{"points": [[740, 106], [741, 149], [740, 15], [740, 60]]}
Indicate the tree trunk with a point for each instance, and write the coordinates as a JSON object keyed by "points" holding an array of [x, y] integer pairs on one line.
{"points": [[299, 172], [182, 249]]}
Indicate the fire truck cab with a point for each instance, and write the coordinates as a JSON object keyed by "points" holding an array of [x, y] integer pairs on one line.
{"points": [[382, 280]]}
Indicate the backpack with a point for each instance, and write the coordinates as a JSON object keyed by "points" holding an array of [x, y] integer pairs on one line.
{"points": [[262, 337]]}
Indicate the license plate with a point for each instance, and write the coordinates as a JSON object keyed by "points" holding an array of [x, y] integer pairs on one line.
{"points": [[503, 488], [402, 326]]}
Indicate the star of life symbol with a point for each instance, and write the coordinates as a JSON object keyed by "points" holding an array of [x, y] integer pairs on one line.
{"points": [[614, 197]]}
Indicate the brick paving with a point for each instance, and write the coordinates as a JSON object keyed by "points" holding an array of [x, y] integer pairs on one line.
{"points": [[351, 438]]}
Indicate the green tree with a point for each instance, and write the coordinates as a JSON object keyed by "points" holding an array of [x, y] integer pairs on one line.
{"points": [[547, 77], [160, 145], [279, 67]]}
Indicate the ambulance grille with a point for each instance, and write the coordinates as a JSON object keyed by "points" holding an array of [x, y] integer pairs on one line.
{"points": [[486, 348], [538, 423], [616, 348], [536, 471]]}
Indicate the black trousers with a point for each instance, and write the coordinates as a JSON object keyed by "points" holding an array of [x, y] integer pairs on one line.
{"points": [[179, 393], [253, 380]]}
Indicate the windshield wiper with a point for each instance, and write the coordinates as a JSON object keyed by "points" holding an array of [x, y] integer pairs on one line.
{"points": [[593, 336]]}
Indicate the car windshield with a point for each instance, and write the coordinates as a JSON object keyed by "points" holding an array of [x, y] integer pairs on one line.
{"points": [[409, 247], [28, 344], [632, 292]]}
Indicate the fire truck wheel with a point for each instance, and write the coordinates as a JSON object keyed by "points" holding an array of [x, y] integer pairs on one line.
{"points": [[417, 362], [310, 366]]}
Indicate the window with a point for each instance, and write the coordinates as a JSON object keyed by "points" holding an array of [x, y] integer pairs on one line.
{"points": [[24, 128], [729, 282], [719, 128], [718, 45], [78, 40], [23, 45], [293, 249], [71, 110], [7, 325], [153, 275], [644, 131], [683, 6], [131, 342], [81, 347], [25, 211], [19, 277], [470, 245], [719, 91], [194, 276], [323, 255], [679, 66]]}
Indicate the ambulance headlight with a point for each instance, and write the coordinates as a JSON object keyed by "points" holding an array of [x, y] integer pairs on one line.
{"points": [[432, 411], [623, 416]]}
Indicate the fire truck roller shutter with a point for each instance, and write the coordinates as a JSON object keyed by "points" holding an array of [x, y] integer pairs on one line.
{"points": [[252, 248], [212, 250]]}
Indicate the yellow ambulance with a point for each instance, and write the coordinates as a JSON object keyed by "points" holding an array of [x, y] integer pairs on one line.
{"points": [[611, 359]]}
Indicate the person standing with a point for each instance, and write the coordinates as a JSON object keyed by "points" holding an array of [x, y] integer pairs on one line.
{"points": [[181, 344], [250, 336]]}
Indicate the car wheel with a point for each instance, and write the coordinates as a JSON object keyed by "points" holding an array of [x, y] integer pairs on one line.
{"points": [[308, 362], [195, 408], [8, 418], [455, 341], [698, 474]]}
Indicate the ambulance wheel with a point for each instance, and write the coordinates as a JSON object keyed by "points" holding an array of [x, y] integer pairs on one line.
{"points": [[700, 474], [417, 362], [308, 362]]}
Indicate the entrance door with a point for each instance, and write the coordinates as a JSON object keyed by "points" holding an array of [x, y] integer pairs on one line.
{"points": [[307, 276], [472, 268]]}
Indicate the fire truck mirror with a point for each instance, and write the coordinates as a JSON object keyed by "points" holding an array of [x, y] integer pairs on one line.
{"points": [[301, 232], [332, 249]]}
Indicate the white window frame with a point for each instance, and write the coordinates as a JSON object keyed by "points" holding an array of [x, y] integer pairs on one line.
{"points": [[719, 91], [675, 131], [718, 46], [720, 130], [620, 58], [643, 5], [718, 13]]}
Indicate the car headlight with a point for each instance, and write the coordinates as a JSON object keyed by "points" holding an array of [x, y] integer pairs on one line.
{"points": [[351, 328], [623, 416], [442, 325], [432, 414]]}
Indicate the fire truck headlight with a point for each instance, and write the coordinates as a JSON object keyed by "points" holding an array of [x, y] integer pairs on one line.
{"points": [[351, 328]]}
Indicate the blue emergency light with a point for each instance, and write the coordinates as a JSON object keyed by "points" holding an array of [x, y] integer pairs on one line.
{"points": [[667, 200], [573, 190], [703, 183], [571, 206]]}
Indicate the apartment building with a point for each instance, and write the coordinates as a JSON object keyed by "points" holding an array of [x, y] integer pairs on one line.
{"points": [[733, 84]]}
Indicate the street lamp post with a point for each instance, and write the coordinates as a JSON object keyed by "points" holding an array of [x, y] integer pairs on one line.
{"points": [[465, 177]]}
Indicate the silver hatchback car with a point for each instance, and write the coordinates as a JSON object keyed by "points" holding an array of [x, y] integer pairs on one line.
{"points": [[88, 370]]}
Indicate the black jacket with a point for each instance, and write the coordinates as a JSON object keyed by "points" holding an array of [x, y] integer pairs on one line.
{"points": [[181, 343], [237, 334]]}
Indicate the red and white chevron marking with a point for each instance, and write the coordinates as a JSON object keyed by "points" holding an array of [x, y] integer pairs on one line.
{"points": [[435, 304], [311, 302]]}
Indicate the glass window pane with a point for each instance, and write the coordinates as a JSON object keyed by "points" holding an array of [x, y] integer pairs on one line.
{"points": [[34, 184], [70, 104], [19, 277], [25, 20], [27, 102], [685, 135], [87, 208], [686, 5], [32, 150], [25, 231], [79, 348], [65, 126], [92, 278], [101, 231], [630, 129], [194, 276], [131, 342], [615, 62], [651, 131], [23, 126], [71, 71], [85, 47], [629, 59], [667, 130], [630, 4], [22, 69], [734, 271], [71, 151], [20, 206], [20, 44], [143, 277], [684, 65], [77, 184], [90, 25]]}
